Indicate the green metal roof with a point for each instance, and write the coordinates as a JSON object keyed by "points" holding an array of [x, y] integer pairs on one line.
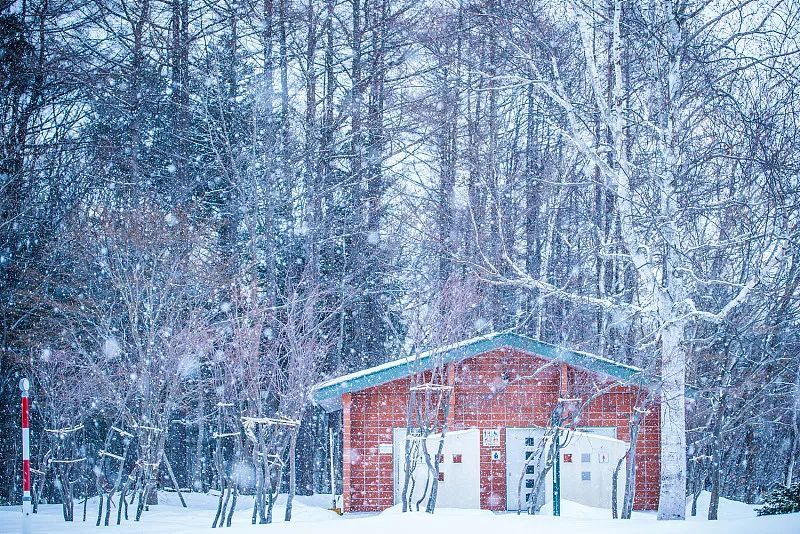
{"points": [[329, 394]]}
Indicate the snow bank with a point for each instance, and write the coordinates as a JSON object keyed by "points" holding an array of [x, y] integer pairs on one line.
{"points": [[311, 517]]}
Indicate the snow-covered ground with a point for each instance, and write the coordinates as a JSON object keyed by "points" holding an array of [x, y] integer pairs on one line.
{"points": [[310, 516]]}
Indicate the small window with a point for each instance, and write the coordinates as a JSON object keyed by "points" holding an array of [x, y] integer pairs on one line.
{"points": [[529, 442], [527, 497], [529, 483], [567, 458], [530, 470], [586, 475], [528, 455], [441, 458], [456, 458], [441, 476], [586, 458]]}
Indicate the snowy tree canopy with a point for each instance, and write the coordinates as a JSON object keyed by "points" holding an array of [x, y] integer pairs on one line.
{"points": [[208, 206]]}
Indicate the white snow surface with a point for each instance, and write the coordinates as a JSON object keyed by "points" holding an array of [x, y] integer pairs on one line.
{"points": [[310, 516]]}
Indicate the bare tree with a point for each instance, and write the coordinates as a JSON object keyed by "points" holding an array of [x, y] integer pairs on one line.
{"points": [[443, 321]]}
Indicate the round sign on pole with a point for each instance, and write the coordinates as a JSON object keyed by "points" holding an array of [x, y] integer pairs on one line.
{"points": [[24, 385]]}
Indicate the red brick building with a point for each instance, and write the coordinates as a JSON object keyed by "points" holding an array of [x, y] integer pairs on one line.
{"points": [[500, 381]]}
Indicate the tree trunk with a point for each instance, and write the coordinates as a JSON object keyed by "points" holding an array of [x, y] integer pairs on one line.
{"points": [[614, 486], [794, 434], [292, 475], [407, 450], [198, 482], [630, 468], [716, 466], [271, 493], [219, 513], [672, 496], [172, 478], [233, 504], [435, 487], [533, 202], [258, 465]]}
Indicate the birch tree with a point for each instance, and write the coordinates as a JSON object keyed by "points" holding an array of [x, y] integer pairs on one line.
{"points": [[666, 294]]}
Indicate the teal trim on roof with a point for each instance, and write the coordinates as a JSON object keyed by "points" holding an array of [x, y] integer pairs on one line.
{"points": [[328, 394]]}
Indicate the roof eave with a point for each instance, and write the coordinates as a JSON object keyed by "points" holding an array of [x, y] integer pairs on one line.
{"points": [[329, 395]]}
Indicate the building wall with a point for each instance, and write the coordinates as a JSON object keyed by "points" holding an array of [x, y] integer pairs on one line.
{"points": [[498, 389]]}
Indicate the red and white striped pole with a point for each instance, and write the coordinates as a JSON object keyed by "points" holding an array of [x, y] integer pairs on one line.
{"points": [[24, 385]]}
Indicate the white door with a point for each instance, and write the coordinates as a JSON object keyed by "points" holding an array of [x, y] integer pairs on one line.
{"points": [[459, 470], [588, 461], [522, 446]]}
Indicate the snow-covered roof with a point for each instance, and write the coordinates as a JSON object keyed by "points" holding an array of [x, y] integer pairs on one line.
{"points": [[328, 394]]}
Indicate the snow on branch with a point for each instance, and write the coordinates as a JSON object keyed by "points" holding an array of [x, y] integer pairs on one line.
{"points": [[150, 428], [776, 257], [121, 432], [216, 435], [102, 452], [74, 461], [431, 387], [706, 282], [275, 458], [63, 431], [525, 280], [725, 311], [281, 421]]}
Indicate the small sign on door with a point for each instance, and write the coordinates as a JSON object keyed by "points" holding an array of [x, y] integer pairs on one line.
{"points": [[491, 437]]}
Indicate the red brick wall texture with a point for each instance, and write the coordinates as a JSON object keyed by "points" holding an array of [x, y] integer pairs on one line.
{"points": [[501, 388]]}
